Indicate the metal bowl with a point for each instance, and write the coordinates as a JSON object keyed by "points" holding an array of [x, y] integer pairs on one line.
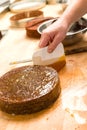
{"points": [[74, 34]]}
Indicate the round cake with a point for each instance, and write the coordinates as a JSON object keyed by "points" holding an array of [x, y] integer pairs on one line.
{"points": [[31, 26], [28, 89], [20, 19]]}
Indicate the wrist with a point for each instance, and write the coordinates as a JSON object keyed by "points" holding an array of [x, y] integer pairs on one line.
{"points": [[64, 22]]}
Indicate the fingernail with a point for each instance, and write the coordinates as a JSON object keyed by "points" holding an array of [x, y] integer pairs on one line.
{"points": [[50, 50]]}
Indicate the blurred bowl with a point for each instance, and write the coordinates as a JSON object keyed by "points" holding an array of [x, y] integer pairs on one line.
{"points": [[26, 5], [74, 34]]}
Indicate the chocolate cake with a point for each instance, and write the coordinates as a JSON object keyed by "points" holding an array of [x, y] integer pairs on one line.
{"points": [[28, 89], [31, 26]]}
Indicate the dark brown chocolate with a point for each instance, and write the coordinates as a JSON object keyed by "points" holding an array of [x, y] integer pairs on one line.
{"points": [[79, 25]]}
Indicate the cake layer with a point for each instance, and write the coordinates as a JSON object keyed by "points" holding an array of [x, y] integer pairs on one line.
{"points": [[31, 26], [28, 89]]}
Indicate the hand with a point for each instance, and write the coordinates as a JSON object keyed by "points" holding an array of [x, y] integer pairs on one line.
{"points": [[53, 35]]}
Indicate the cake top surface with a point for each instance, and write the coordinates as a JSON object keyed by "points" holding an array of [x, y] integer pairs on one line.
{"points": [[27, 83]]}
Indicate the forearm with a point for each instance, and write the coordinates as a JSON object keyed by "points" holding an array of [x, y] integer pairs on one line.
{"points": [[74, 11]]}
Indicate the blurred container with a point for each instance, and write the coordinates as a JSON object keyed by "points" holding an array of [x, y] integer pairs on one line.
{"points": [[51, 1], [4, 5], [26, 5], [75, 33]]}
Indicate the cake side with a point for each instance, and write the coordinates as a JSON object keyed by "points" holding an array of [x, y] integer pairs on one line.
{"points": [[28, 89]]}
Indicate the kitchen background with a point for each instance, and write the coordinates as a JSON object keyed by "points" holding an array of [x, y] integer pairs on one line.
{"points": [[49, 1]]}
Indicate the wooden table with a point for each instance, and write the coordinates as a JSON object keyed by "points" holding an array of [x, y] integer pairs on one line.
{"points": [[69, 112]]}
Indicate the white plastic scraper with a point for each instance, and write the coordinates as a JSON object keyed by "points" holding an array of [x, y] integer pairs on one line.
{"points": [[42, 57]]}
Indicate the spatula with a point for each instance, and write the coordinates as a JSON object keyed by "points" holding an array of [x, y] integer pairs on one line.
{"points": [[42, 57]]}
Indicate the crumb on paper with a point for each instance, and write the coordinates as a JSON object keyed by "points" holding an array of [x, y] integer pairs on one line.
{"points": [[77, 128], [47, 118], [70, 112]]}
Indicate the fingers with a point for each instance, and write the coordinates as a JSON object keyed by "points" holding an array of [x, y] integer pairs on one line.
{"points": [[53, 35], [53, 45], [44, 41], [47, 39], [57, 39]]}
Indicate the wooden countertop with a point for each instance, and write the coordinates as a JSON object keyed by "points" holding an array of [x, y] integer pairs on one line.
{"points": [[69, 112]]}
